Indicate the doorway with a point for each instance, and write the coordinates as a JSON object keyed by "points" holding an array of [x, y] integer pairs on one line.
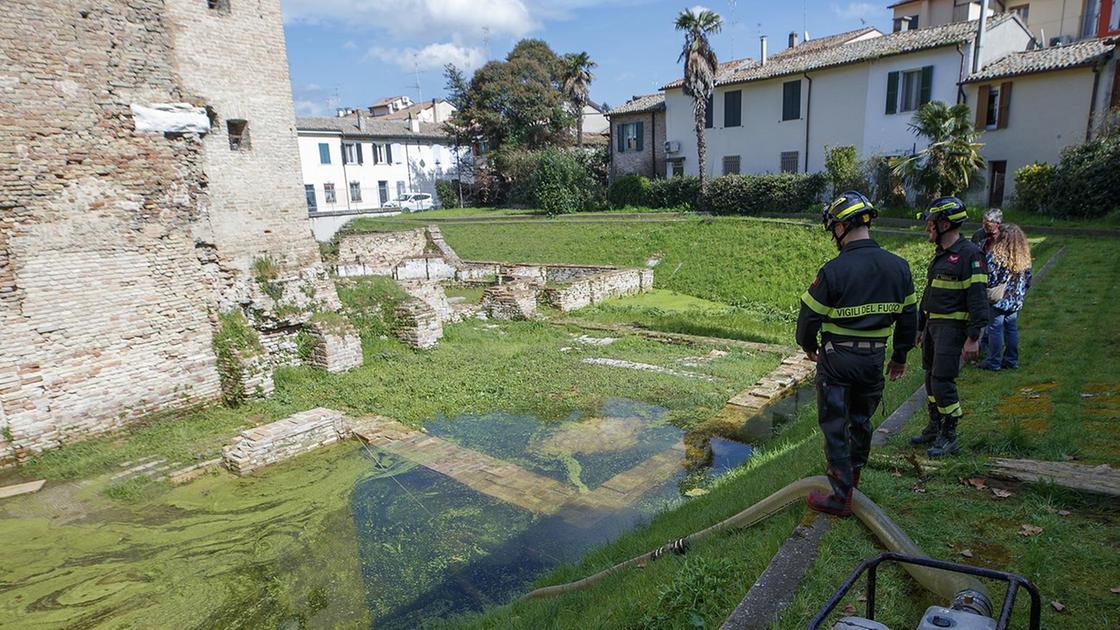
{"points": [[997, 175]]}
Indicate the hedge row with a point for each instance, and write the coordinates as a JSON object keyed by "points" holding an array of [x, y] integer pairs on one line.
{"points": [[729, 194], [1084, 184]]}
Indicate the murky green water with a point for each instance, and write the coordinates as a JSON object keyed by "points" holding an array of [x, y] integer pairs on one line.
{"points": [[431, 546]]}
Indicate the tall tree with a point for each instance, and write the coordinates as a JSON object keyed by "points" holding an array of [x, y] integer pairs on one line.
{"points": [[516, 102], [946, 166], [576, 84], [700, 65]]}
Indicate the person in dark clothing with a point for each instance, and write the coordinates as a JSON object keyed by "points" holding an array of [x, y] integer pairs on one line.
{"points": [[986, 236], [954, 312], [852, 304]]}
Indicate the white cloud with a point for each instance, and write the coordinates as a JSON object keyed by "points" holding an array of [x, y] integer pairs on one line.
{"points": [[858, 10], [431, 57], [418, 17], [311, 100]]}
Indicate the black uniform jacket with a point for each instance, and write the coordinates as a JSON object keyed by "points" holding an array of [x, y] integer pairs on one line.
{"points": [[859, 295], [957, 288]]}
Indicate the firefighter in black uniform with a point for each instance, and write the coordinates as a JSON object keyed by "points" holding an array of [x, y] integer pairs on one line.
{"points": [[953, 313], [853, 302]]}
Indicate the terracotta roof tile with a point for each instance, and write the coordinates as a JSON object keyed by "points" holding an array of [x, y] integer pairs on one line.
{"points": [[1078, 54]]}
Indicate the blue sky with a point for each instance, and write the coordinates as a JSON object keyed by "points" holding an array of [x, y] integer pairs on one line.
{"points": [[353, 52]]}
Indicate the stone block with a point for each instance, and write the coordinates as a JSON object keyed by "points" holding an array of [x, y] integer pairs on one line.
{"points": [[510, 301], [297, 434]]}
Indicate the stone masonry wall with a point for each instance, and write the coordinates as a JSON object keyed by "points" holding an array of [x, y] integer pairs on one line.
{"points": [[650, 161], [104, 307], [588, 290]]}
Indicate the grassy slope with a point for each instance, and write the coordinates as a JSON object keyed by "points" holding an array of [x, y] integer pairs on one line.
{"points": [[1075, 560]]}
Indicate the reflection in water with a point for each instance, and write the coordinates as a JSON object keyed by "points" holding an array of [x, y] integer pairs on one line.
{"points": [[430, 546]]}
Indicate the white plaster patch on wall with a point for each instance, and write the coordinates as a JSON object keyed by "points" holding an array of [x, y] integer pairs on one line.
{"points": [[170, 118]]}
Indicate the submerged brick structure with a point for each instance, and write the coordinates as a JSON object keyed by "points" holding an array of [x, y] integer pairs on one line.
{"points": [[118, 248]]}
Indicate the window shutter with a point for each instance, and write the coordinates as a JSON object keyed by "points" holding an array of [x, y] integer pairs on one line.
{"points": [[399, 152], [388, 153], [927, 86], [621, 143], [1004, 104], [324, 153], [791, 100], [709, 113], [344, 160], [892, 93], [640, 127], [359, 153], [982, 95]]}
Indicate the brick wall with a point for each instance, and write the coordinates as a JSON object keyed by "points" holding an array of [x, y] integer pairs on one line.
{"points": [[103, 303], [118, 248]]}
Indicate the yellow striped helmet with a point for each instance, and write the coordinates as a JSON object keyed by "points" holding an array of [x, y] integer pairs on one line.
{"points": [[948, 209], [850, 208]]}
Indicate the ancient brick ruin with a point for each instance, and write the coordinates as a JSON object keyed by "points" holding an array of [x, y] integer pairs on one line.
{"points": [[421, 262], [120, 248]]}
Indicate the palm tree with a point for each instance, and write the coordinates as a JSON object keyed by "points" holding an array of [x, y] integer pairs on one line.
{"points": [[700, 65], [576, 84], [945, 167]]}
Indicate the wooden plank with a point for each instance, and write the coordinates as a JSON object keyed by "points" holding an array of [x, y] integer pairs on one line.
{"points": [[21, 488], [1095, 479]]}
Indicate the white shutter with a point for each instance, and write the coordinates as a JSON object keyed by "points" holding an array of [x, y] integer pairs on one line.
{"points": [[398, 153]]}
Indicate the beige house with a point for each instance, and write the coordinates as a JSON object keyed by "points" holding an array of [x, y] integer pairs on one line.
{"points": [[1031, 105], [637, 132]]}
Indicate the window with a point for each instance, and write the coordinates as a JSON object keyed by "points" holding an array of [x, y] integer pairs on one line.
{"points": [[324, 153], [400, 189], [355, 191], [731, 165], [790, 161], [309, 192], [678, 168], [328, 193], [1022, 10], [709, 114], [351, 153], [388, 154], [993, 104], [218, 6], [791, 100], [631, 137], [991, 109], [1114, 18], [383, 192], [1092, 16], [238, 132], [908, 90], [733, 108]]}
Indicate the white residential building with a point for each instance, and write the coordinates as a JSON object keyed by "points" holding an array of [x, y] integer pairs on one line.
{"points": [[1031, 105], [354, 165], [1051, 21], [781, 112]]}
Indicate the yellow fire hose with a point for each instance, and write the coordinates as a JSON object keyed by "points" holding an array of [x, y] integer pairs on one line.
{"points": [[947, 585]]}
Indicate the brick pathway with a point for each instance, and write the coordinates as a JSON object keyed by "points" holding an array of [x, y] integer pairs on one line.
{"points": [[513, 484]]}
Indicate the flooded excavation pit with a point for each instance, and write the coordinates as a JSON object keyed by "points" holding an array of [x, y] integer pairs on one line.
{"points": [[492, 500]]}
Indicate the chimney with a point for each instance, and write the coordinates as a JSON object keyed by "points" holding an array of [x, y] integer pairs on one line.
{"points": [[361, 119], [762, 54], [413, 124], [978, 45], [435, 111], [793, 39]]}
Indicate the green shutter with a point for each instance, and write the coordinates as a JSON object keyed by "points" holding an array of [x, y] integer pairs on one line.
{"points": [[791, 100], [324, 153], [709, 113], [892, 93], [927, 85], [359, 153], [621, 144], [640, 126]]}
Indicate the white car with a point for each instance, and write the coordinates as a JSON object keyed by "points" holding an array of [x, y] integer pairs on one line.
{"points": [[412, 202]]}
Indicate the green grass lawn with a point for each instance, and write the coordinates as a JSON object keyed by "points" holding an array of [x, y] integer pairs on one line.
{"points": [[1067, 339]]}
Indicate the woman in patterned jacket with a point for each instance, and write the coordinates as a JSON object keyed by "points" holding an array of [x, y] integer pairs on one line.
{"points": [[1009, 267]]}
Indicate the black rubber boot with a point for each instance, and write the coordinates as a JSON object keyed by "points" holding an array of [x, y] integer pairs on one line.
{"points": [[839, 501], [930, 433], [946, 443]]}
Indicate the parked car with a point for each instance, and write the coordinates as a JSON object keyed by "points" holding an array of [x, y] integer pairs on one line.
{"points": [[412, 202]]}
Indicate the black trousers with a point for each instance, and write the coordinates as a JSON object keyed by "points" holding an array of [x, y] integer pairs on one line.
{"points": [[942, 344], [849, 388]]}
